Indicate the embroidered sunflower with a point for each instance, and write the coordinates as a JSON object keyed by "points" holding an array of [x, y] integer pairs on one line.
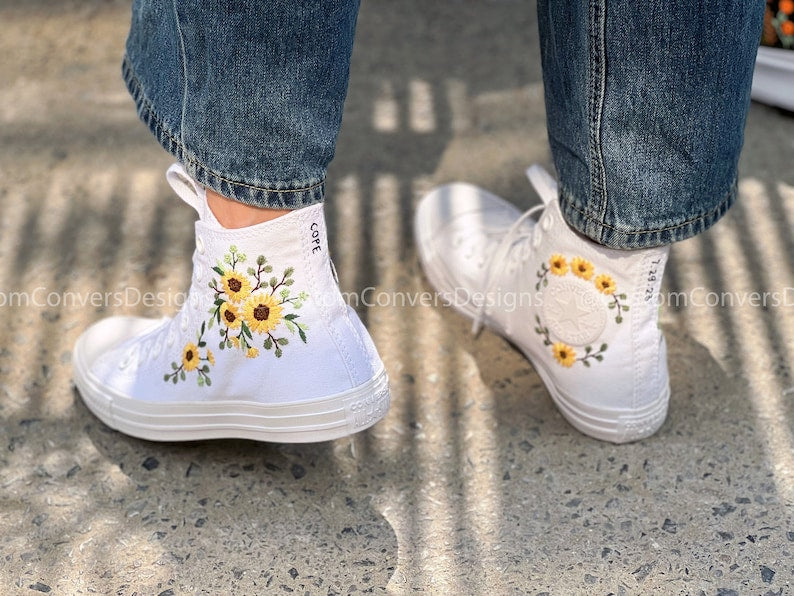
{"points": [[605, 284], [236, 285], [564, 354], [559, 266], [230, 316], [262, 313], [582, 268], [190, 357], [249, 307]]}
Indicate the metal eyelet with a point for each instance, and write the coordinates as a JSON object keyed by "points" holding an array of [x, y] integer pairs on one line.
{"points": [[127, 360]]}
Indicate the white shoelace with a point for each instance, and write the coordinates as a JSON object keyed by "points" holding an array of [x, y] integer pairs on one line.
{"points": [[516, 244], [163, 336]]}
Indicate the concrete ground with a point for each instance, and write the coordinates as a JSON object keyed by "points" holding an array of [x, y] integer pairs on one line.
{"points": [[473, 484]]}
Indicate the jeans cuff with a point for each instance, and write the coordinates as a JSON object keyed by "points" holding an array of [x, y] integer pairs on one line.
{"points": [[284, 197], [615, 236]]}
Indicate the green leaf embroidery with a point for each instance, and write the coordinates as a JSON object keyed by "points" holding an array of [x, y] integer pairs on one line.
{"points": [[278, 296]]}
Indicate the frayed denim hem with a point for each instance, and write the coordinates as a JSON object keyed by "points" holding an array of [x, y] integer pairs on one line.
{"points": [[615, 237], [311, 193]]}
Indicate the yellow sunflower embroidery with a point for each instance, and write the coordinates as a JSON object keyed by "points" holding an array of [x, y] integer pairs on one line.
{"points": [[582, 268], [230, 316], [605, 284], [236, 286], [252, 311], [262, 313], [564, 354], [559, 266], [190, 357]]}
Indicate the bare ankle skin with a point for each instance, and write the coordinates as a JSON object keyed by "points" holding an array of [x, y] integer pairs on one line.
{"points": [[233, 214]]}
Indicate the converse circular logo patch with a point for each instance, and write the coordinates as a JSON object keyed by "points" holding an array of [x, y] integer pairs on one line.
{"points": [[577, 303], [574, 312]]}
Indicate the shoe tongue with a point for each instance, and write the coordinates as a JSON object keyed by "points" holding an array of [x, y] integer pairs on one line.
{"points": [[191, 192], [543, 183]]}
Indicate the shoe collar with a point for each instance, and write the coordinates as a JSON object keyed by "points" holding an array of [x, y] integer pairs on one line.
{"points": [[543, 183], [191, 192]]}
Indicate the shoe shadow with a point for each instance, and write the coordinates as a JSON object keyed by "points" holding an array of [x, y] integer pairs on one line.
{"points": [[638, 513], [245, 517]]}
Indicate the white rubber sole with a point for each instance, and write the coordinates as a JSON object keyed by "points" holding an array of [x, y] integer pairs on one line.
{"points": [[323, 419], [612, 425], [773, 78]]}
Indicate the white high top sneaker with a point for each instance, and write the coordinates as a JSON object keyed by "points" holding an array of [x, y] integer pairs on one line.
{"points": [[264, 347], [585, 315]]}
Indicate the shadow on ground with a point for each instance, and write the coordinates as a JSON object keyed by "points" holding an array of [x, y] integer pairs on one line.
{"points": [[474, 483]]}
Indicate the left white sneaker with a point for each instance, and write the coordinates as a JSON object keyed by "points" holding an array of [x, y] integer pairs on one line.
{"points": [[264, 347], [586, 316]]}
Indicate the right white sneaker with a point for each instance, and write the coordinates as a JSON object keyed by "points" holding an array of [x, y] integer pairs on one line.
{"points": [[264, 347], [586, 316], [773, 77]]}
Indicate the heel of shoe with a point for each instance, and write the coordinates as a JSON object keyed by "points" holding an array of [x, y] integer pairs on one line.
{"points": [[614, 426]]}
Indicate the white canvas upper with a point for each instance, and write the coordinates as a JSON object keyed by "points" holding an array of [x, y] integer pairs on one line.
{"points": [[585, 315], [773, 77], [264, 346]]}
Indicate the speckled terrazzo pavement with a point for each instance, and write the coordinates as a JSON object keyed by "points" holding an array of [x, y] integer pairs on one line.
{"points": [[473, 484]]}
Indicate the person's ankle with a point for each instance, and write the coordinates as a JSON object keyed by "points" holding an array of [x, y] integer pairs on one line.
{"points": [[234, 214]]}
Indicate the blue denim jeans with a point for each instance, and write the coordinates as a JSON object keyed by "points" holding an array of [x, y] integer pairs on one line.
{"points": [[247, 94], [646, 102]]}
